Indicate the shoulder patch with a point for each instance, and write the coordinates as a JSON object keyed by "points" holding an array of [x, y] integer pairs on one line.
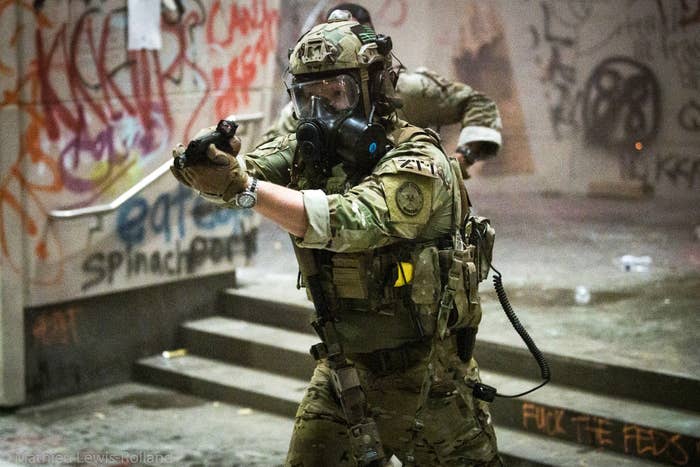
{"points": [[408, 197], [417, 165]]}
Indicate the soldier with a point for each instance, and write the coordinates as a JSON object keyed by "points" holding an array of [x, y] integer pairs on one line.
{"points": [[429, 100], [375, 211]]}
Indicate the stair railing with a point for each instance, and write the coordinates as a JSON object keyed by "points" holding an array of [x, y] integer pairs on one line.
{"points": [[101, 209]]}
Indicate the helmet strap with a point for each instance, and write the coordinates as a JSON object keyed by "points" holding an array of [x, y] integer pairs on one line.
{"points": [[364, 79]]}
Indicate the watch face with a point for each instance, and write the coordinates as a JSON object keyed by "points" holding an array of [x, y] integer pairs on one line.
{"points": [[246, 200]]}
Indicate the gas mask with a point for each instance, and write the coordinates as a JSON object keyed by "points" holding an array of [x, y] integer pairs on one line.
{"points": [[332, 127]]}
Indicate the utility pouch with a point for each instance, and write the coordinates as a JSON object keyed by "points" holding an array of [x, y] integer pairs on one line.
{"points": [[460, 305], [479, 233], [426, 277], [350, 275], [467, 304]]}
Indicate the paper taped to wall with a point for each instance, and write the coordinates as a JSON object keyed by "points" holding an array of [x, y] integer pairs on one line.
{"points": [[144, 25]]}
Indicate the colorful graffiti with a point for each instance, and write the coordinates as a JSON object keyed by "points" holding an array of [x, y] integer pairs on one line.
{"points": [[95, 117], [167, 219], [240, 72]]}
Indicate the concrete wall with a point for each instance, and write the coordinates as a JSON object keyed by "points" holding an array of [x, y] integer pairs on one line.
{"points": [[609, 91], [82, 119], [579, 83], [88, 343]]}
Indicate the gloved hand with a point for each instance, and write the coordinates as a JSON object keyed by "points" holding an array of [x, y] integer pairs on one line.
{"points": [[220, 176]]}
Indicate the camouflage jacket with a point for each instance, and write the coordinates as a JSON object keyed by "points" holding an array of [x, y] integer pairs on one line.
{"points": [[345, 216], [429, 100], [366, 225]]}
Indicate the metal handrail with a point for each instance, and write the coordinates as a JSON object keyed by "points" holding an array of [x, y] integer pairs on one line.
{"points": [[134, 190]]}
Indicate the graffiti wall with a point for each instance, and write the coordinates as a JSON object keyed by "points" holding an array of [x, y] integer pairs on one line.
{"points": [[615, 85], [83, 119]]}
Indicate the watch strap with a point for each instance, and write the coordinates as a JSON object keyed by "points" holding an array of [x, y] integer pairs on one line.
{"points": [[250, 191]]}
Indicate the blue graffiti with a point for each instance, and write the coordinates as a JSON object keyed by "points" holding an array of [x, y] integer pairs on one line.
{"points": [[167, 214], [207, 216], [137, 215]]}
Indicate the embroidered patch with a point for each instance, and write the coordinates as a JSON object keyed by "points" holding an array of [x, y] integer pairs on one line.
{"points": [[365, 33], [418, 166], [409, 199]]}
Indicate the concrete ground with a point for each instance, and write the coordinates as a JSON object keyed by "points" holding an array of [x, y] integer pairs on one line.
{"points": [[139, 425], [545, 248]]}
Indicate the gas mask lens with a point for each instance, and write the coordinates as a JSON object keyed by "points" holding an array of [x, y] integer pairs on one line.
{"points": [[337, 96]]}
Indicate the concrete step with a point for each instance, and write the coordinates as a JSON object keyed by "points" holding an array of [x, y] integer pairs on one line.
{"points": [[287, 308], [264, 391], [557, 411], [654, 387], [521, 449], [245, 343], [633, 428], [221, 381]]}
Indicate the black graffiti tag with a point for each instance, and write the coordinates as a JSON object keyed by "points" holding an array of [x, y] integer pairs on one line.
{"points": [[693, 14], [689, 116], [622, 104]]}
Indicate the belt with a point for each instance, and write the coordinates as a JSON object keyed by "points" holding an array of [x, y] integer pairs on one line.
{"points": [[386, 361]]}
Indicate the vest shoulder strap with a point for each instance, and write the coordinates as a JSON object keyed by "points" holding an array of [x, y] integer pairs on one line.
{"points": [[405, 133]]}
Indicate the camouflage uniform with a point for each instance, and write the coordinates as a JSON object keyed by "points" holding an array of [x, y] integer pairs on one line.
{"points": [[364, 226], [429, 100], [386, 254]]}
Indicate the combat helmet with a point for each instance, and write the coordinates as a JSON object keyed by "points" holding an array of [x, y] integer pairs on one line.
{"points": [[344, 45]]}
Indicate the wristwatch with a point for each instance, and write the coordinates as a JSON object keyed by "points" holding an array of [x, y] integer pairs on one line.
{"points": [[247, 198]]}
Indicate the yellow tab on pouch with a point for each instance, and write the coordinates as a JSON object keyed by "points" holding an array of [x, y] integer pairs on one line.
{"points": [[404, 274]]}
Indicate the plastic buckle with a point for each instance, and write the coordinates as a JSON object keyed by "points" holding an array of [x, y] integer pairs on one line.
{"points": [[484, 392], [319, 351]]}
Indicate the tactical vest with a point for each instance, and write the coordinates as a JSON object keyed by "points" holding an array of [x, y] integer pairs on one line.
{"points": [[388, 297]]}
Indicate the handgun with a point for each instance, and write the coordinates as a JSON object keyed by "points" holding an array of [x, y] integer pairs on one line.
{"points": [[196, 150]]}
